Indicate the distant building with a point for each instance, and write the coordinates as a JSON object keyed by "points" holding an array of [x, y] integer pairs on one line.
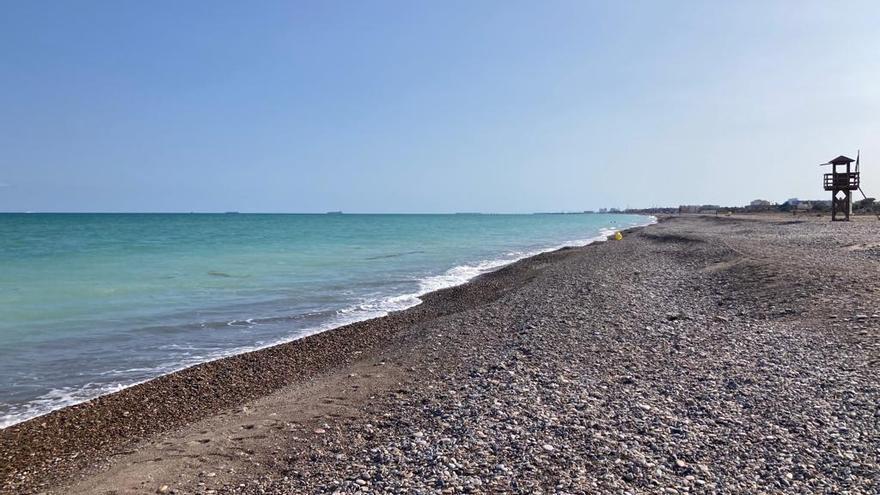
{"points": [[689, 209], [794, 204], [760, 205], [614, 210], [603, 210]]}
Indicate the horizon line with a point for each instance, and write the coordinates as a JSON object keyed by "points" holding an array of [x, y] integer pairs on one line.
{"points": [[330, 213]]}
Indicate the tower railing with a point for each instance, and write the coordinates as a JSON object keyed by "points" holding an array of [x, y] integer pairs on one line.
{"points": [[845, 181]]}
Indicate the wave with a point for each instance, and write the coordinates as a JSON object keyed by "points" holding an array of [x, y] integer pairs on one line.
{"points": [[367, 309], [392, 255]]}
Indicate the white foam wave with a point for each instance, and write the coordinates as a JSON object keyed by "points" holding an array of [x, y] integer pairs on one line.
{"points": [[56, 399]]}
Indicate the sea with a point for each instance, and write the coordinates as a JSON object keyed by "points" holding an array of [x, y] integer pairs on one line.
{"points": [[93, 303]]}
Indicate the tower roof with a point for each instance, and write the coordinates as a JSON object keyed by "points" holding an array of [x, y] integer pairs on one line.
{"points": [[841, 160]]}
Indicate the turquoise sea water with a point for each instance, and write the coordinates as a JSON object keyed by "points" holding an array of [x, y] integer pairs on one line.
{"points": [[92, 303]]}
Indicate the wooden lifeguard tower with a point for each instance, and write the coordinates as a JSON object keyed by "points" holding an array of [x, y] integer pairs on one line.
{"points": [[841, 182]]}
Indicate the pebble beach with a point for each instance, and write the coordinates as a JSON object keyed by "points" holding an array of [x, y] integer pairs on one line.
{"points": [[701, 354]]}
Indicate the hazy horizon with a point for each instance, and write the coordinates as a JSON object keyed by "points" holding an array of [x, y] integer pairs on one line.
{"points": [[395, 107]]}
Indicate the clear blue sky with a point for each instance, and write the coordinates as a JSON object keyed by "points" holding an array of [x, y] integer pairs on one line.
{"points": [[430, 106]]}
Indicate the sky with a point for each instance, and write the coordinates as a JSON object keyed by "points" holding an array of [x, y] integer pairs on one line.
{"points": [[431, 106]]}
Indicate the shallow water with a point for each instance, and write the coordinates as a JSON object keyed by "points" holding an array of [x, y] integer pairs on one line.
{"points": [[92, 303]]}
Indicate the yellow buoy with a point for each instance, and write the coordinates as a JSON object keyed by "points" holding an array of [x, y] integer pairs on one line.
{"points": [[618, 236]]}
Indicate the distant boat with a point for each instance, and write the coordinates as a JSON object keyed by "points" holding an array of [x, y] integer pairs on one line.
{"points": [[334, 213]]}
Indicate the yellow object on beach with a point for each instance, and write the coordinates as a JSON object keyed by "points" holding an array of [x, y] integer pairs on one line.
{"points": [[618, 236]]}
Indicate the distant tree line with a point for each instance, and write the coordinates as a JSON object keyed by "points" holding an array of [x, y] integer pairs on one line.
{"points": [[865, 206]]}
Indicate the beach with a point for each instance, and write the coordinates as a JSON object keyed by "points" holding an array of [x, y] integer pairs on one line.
{"points": [[94, 303], [702, 354]]}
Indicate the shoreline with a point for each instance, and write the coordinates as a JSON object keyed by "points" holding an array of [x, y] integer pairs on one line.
{"points": [[493, 264], [118, 418]]}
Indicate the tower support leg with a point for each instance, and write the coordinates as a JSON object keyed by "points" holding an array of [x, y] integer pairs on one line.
{"points": [[834, 206], [848, 205]]}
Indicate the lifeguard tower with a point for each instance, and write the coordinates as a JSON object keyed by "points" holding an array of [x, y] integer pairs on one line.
{"points": [[841, 182]]}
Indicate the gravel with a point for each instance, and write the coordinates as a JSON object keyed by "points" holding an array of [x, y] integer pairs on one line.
{"points": [[696, 356]]}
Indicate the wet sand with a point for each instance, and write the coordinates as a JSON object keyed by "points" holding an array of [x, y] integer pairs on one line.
{"points": [[702, 355]]}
